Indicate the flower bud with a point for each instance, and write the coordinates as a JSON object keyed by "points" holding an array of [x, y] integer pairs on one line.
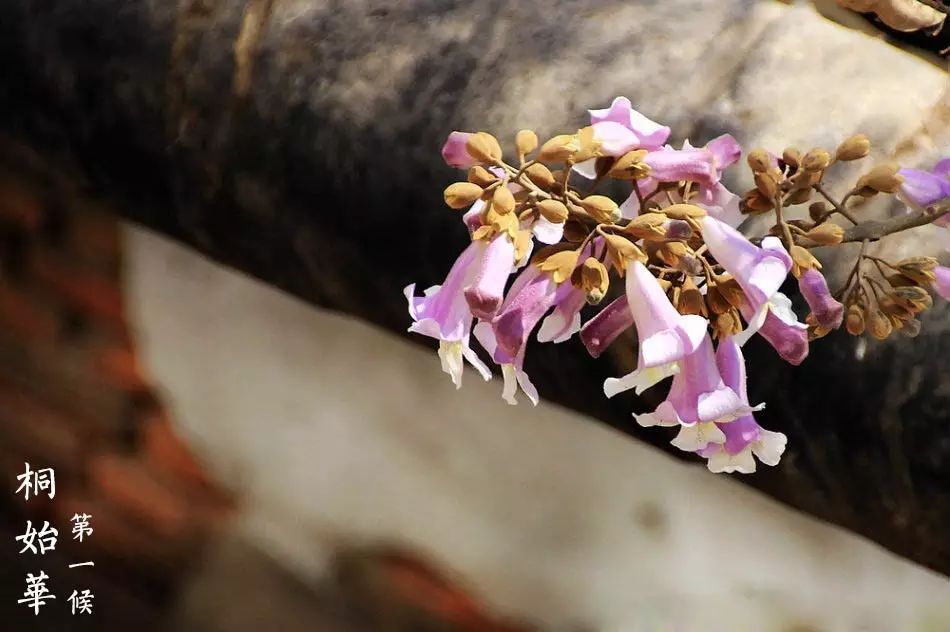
{"points": [[816, 160], [878, 325], [670, 252], [792, 157], [798, 196], [553, 211], [575, 231], [647, 226], [854, 321], [526, 141], [817, 210], [481, 176], [630, 166], [803, 260], [826, 234], [503, 201], [691, 300], [459, 195], [716, 301], [882, 179], [728, 323], [483, 147], [766, 183], [540, 175], [759, 160], [601, 208], [560, 264], [621, 251], [594, 280], [731, 291], [559, 148], [754, 202], [853, 148]]}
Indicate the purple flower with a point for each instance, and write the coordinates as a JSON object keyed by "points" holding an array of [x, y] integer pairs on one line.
{"points": [[942, 282], [665, 336], [760, 272], [611, 321], [697, 402], [511, 366], [744, 437], [647, 134], [782, 329], [565, 320], [828, 312], [454, 152], [486, 291], [923, 188], [442, 313]]}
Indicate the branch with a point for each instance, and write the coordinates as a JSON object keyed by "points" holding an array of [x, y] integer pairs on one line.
{"points": [[874, 230]]}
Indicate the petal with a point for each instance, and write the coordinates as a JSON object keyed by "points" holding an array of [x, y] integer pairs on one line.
{"points": [[942, 283], [722, 405], [511, 384], [454, 152], [770, 447], [547, 232], [725, 149], [450, 353], [586, 169], [527, 386], [476, 362], [641, 379], [614, 138], [722, 462], [600, 331], [698, 436], [923, 188]]}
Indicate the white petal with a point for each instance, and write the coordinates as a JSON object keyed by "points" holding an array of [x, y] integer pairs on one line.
{"points": [[547, 232], [525, 382], [587, 168], [641, 379], [770, 447], [755, 323], [781, 306], [722, 461], [698, 436], [450, 353], [476, 362], [511, 384]]}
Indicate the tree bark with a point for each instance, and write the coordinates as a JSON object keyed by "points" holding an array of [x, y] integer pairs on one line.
{"points": [[249, 131]]}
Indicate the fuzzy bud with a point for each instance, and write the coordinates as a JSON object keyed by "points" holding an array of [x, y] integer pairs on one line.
{"points": [[817, 210], [803, 260], [853, 148], [540, 175], [792, 157], [601, 208], [854, 320], [759, 160], [728, 323], [483, 147], [826, 234], [481, 176], [691, 300], [817, 159], [647, 226], [559, 149], [459, 195], [526, 141], [755, 202], [503, 201], [594, 280], [553, 211], [630, 166], [878, 325], [881, 179]]}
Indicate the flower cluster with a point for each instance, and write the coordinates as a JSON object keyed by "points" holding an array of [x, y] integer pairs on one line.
{"points": [[690, 277]]}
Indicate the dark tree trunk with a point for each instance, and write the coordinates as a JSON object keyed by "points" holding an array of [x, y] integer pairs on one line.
{"points": [[249, 131]]}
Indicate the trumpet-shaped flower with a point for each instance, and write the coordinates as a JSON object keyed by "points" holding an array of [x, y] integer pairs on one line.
{"points": [[782, 329], [744, 437], [454, 151], [486, 291], [923, 188], [600, 331], [698, 402], [828, 312], [443, 313], [760, 271], [665, 336]]}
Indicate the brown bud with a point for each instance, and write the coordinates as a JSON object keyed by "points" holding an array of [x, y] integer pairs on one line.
{"points": [[878, 325], [588, 145], [503, 201], [526, 141], [630, 166], [755, 202], [621, 251], [918, 269], [892, 308], [647, 226], [804, 179], [854, 320], [911, 328], [853, 148], [670, 252], [684, 211], [883, 179], [594, 280], [553, 211], [913, 298], [803, 260], [483, 147], [826, 234], [728, 323], [766, 183], [759, 160], [461, 194], [560, 264], [559, 148], [816, 160], [898, 280], [817, 210], [792, 157], [540, 175], [716, 301], [691, 300], [601, 208], [481, 176], [731, 291]]}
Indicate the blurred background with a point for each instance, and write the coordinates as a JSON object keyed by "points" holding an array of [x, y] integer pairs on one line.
{"points": [[250, 462]]}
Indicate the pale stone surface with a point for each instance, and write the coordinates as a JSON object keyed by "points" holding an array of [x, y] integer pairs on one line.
{"points": [[335, 432]]}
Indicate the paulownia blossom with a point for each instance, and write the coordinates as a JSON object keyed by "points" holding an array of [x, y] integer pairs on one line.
{"points": [[789, 339], [744, 437], [699, 402], [813, 286], [760, 271], [923, 188], [443, 313], [665, 336]]}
